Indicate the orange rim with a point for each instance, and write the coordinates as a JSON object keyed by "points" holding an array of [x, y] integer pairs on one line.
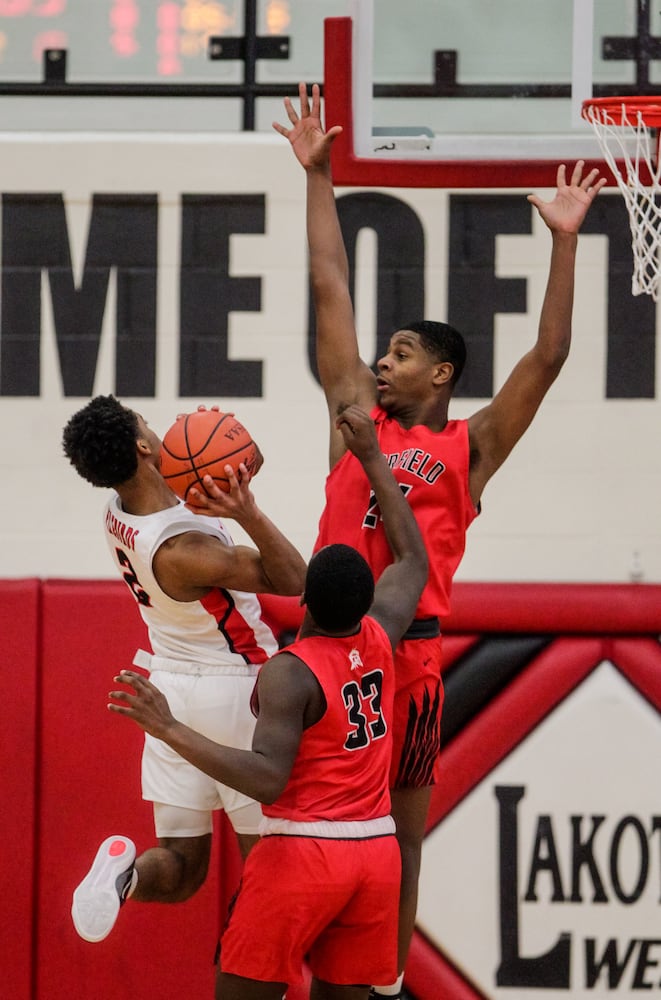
{"points": [[616, 108]]}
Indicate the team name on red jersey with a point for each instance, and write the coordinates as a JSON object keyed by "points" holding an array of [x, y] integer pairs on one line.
{"points": [[418, 462]]}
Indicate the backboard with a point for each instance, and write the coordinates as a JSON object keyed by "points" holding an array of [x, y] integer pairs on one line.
{"points": [[471, 93]]}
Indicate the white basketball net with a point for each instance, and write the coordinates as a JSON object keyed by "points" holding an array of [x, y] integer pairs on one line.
{"points": [[631, 143]]}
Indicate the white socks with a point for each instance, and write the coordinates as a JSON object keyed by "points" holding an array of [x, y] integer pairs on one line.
{"points": [[390, 991]]}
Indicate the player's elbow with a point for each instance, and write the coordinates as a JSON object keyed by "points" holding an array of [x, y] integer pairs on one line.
{"points": [[553, 352], [291, 584], [271, 790], [417, 567], [328, 280]]}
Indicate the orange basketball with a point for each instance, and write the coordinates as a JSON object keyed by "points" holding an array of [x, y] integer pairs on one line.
{"points": [[203, 443]]}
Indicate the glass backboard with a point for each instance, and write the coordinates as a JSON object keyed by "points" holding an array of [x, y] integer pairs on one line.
{"points": [[495, 88]]}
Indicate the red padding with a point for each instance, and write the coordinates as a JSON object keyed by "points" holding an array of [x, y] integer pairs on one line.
{"points": [[89, 789], [640, 661], [579, 608], [19, 628], [431, 979], [506, 720], [556, 608], [281, 614]]}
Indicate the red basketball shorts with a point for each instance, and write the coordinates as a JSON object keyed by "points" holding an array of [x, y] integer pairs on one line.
{"points": [[417, 713], [333, 903]]}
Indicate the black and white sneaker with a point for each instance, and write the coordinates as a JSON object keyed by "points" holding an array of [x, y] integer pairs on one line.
{"points": [[97, 899]]}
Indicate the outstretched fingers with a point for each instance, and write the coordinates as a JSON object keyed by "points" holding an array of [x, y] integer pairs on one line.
{"points": [[591, 183], [292, 114], [303, 99]]}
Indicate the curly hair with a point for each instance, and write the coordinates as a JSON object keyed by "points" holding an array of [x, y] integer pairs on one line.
{"points": [[443, 341], [99, 441], [339, 588]]}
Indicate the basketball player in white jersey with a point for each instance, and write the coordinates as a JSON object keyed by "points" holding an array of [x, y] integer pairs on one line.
{"points": [[196, 592]]}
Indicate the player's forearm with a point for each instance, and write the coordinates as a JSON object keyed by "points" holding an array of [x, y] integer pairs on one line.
{"points": [[555, 322], [400, 526], [328, 259], [282, 565], [244, 770]]}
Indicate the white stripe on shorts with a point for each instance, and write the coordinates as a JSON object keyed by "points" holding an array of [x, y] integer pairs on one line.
{"points": [[328, 829]]}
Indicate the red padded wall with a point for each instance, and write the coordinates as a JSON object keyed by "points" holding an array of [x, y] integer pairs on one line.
{"points": [[71, 770], [19, 628], [89, 789]]}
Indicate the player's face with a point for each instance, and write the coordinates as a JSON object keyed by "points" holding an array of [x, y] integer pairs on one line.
{"points": [[405, 372]]}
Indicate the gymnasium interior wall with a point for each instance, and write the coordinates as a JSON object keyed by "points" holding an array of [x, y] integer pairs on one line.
{"points": [[517, 658], [172, 271]]}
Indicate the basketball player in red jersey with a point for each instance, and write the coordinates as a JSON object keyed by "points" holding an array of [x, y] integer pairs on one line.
{"points": [[196, 592], [323, 881], [443, 465]]}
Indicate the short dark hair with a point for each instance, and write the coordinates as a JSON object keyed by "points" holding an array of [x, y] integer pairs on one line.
{"points": [[99, 441], [339, 588], [443, 341]]}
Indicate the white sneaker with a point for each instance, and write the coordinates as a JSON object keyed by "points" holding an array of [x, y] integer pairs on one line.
{"points": [[97, 899]]}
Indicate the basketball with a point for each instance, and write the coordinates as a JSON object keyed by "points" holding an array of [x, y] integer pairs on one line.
{"points": [[203, 443]]}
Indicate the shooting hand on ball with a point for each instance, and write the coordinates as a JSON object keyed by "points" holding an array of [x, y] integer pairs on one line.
{"points": [[238, 503]]}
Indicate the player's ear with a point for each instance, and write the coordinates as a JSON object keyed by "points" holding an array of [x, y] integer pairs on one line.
{"points": [[443, 372], [143, 446]]}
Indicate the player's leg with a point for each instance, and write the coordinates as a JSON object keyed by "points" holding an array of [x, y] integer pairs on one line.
{"points": [[320, 990], [221, 712], [360, 943], [168, 873], [410, 807], [173, 871], [416, 748], [231, 987], [245, 816]]}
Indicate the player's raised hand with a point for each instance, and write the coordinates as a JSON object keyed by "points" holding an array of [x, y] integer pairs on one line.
{"points": [[311, 144], [565, 213]]}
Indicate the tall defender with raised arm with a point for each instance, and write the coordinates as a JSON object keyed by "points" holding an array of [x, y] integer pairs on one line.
{"points": [[442, 465]]}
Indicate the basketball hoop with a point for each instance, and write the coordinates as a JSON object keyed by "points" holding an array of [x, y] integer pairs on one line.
{"points": [[627, 129]]}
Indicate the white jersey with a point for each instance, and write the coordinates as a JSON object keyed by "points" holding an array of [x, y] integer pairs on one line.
{"points": [[223, 629]]}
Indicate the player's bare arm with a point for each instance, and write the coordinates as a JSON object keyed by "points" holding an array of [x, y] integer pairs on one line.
{"points": [[345, 378], [495, 429], [400, 585], [188, 565], [262, 772]]}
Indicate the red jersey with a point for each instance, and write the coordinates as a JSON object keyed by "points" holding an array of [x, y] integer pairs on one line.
{"points": [[432, 469], [341, 768]]}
